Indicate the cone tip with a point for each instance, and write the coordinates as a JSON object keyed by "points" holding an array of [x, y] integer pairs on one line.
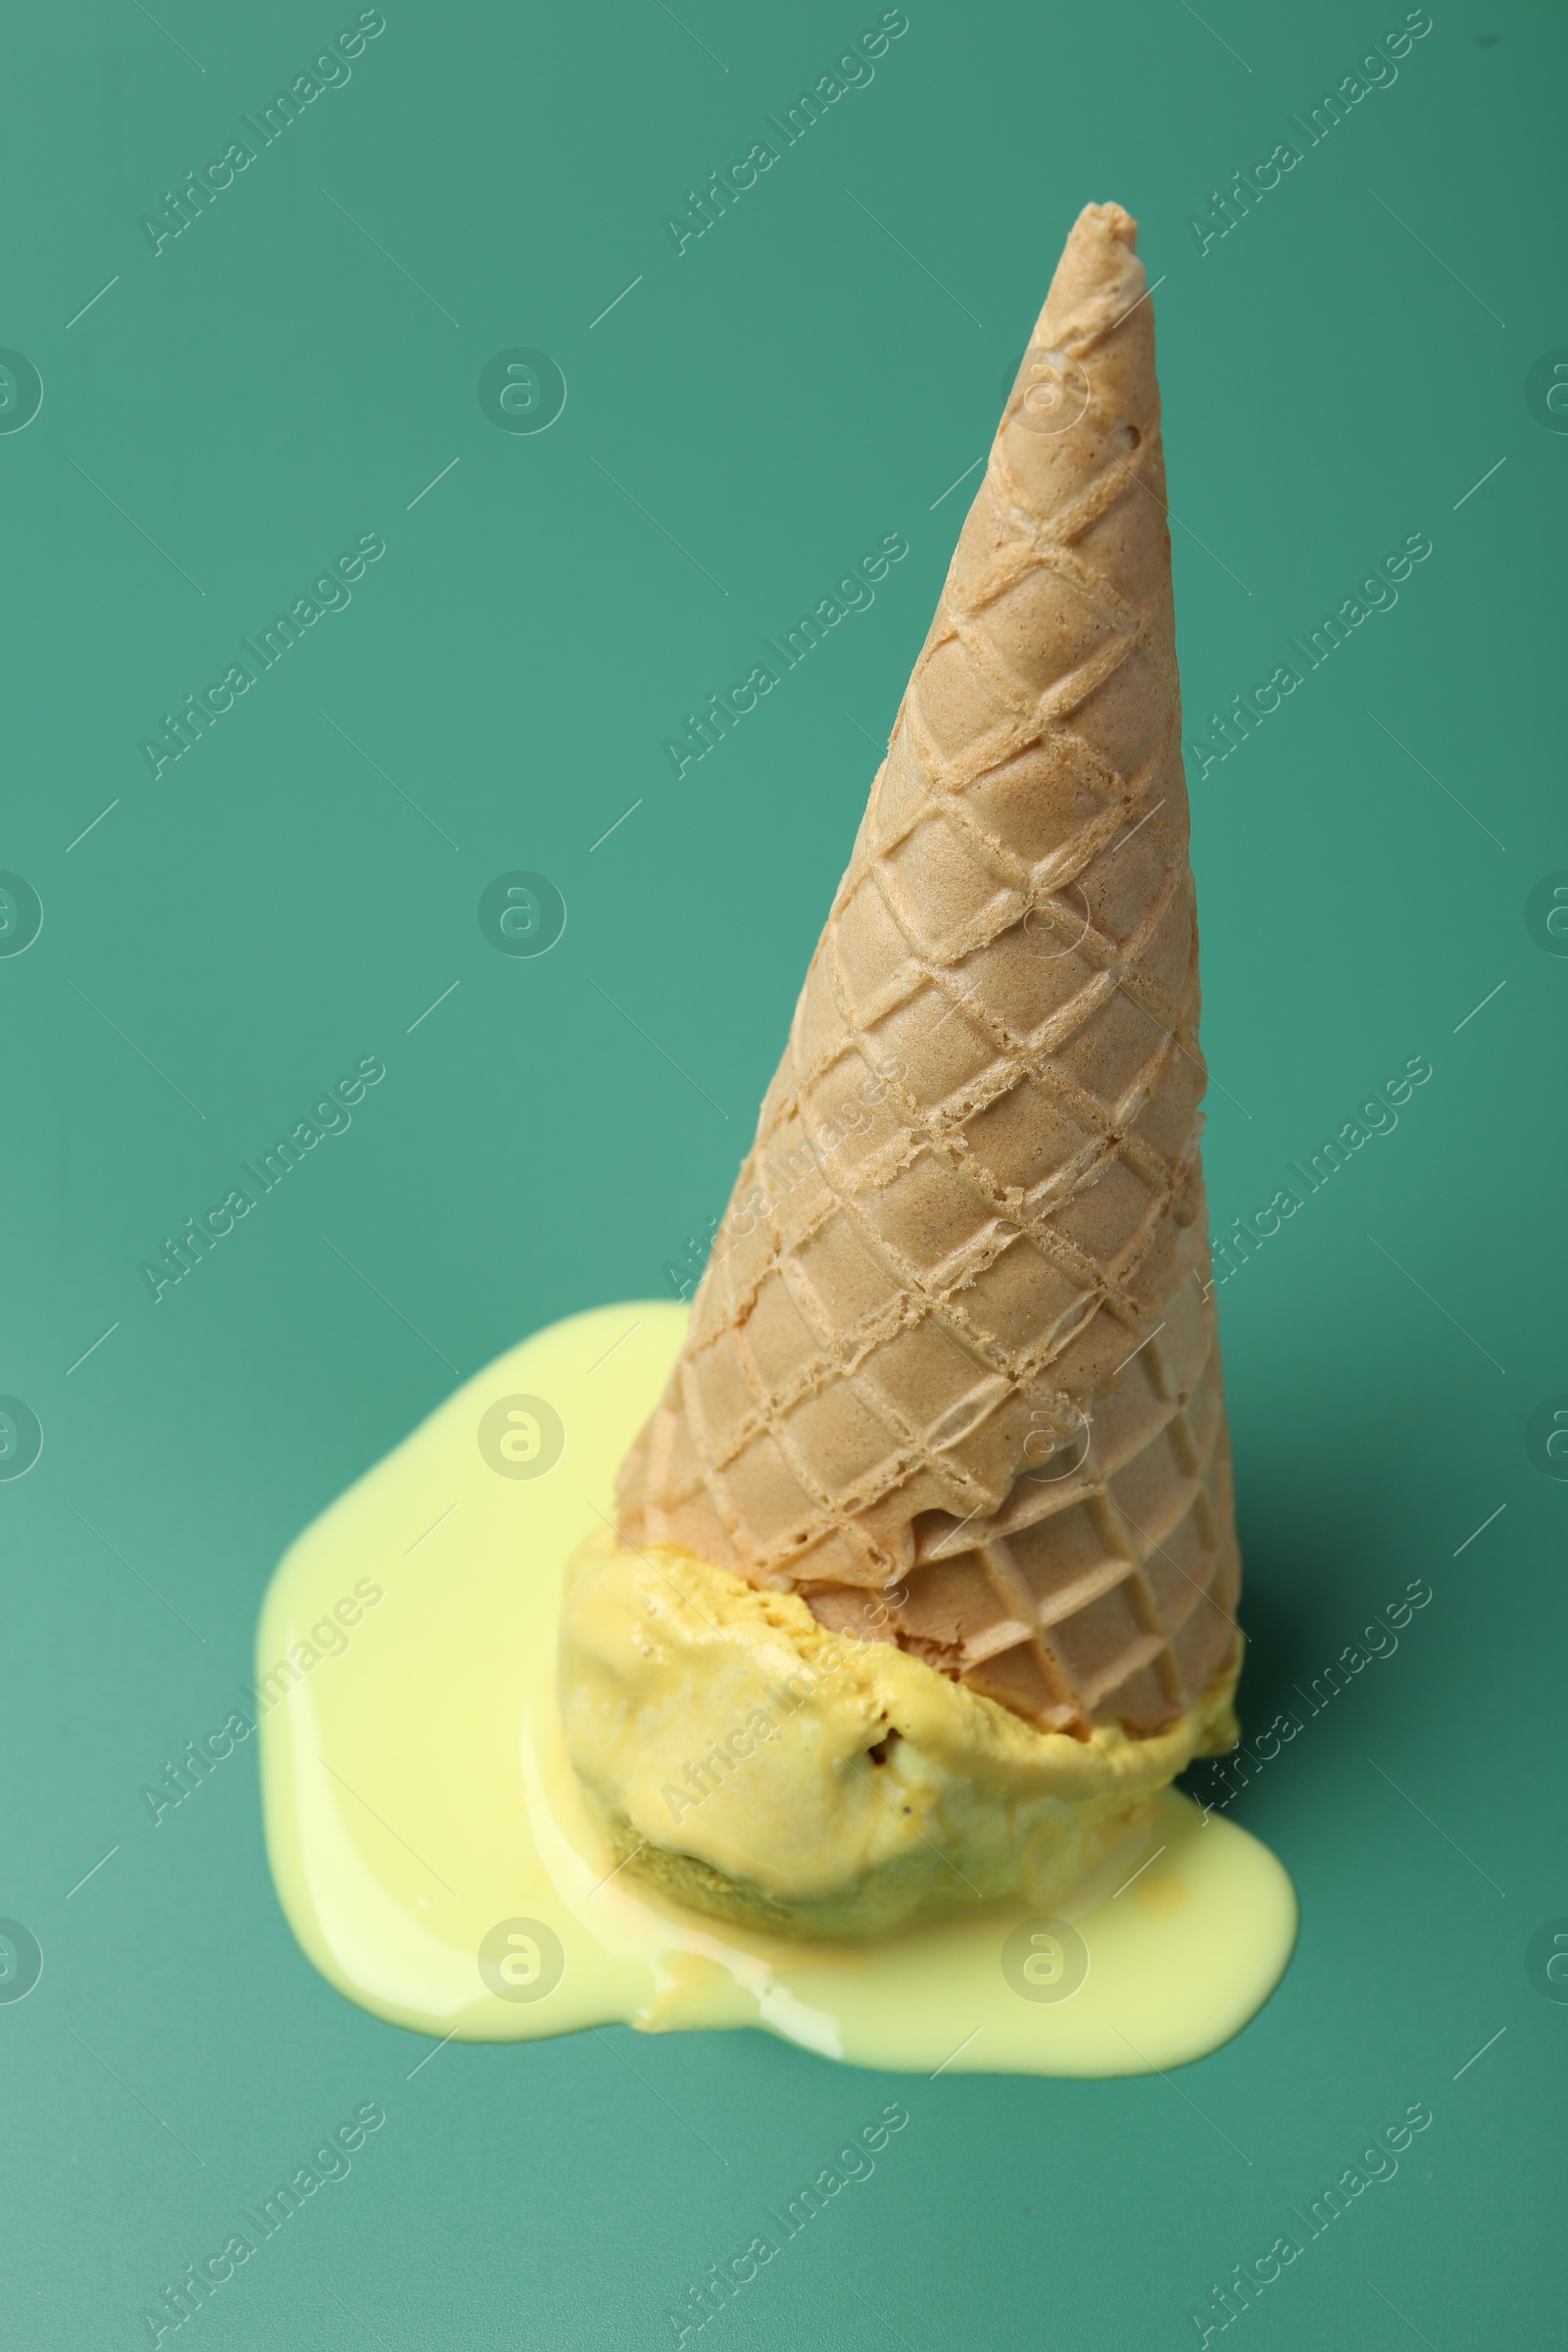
{"points": [[1098, 280], [1114, 219], [1103, 244]]}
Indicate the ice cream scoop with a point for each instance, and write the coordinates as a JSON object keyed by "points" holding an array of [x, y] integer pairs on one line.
{"points": [[756, 1764]]}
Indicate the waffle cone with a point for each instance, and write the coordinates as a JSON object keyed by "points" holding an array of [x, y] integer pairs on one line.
{"points": [[951, 1372]]}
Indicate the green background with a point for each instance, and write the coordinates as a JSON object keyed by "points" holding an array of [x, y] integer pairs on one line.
{"points": [[753, 414]]}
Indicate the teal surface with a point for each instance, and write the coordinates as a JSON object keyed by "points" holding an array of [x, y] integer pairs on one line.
{"points": [[1366, 355]]}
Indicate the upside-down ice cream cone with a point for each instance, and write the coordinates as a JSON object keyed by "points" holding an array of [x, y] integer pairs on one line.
{"points": [[926, 1561]]}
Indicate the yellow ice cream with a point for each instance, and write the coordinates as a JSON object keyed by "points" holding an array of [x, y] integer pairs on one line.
{"points": [[761, 1767], [427, 1832]]}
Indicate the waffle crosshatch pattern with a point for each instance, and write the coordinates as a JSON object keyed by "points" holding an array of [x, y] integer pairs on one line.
{"points": [[956, 1343]]}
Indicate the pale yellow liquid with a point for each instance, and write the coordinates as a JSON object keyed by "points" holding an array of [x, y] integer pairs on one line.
{"points": [[417, 1796]]}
